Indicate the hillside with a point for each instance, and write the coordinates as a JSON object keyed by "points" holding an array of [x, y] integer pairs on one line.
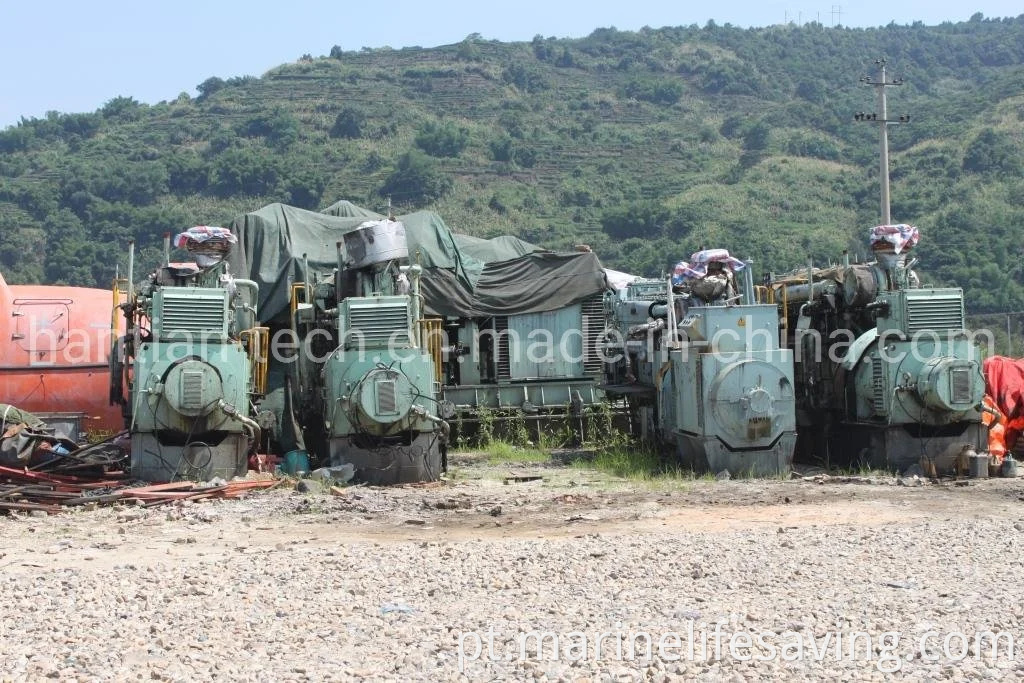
{"points": [[644, 145]]}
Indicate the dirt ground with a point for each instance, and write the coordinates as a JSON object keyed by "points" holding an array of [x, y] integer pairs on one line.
{"points": [[482, 501], [367, 583]]}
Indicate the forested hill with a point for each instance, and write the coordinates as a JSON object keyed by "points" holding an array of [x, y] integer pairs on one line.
{"points": [[644, 145]]}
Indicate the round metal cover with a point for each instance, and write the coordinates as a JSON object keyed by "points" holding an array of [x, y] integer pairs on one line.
{"points": [[385, 396], [193, 388], [746, 397], [859, 286]]}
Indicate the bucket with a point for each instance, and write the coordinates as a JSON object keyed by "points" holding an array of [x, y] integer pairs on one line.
{"points": [[1009, 468], [978, 466], [295, 462]]}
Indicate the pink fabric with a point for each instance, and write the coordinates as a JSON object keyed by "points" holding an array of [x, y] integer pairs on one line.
{"points": [[204, 233], [697, 266], [901, 236]]}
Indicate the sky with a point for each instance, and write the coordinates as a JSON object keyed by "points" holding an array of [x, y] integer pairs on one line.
{"points": [[73, 56]]}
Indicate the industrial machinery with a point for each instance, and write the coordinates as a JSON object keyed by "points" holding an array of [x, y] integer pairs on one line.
{"points": [[503, 362], [520, 325], [700, 365], [512, 330], [887, 374], [365, 373], [194, 362], [54, 356]]}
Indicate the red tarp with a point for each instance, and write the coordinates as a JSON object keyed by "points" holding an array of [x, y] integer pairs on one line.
{"points": [[1004, 382]]}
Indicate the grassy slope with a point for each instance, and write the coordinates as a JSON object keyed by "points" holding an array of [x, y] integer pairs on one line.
{"points": [[809, 191]]}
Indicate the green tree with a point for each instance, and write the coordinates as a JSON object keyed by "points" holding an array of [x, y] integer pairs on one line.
{"points": [[565, 59], [526, 79], [304, 186], [468, 51], [756, 137], [209, 86], [542, 50], [16, 138], [644, 219], [244, 171], [654, 90], [122, 109], [187, 172], [348, 124], [993, 151], [278, 126], [502, 148], [442, 139], [416, 178]]}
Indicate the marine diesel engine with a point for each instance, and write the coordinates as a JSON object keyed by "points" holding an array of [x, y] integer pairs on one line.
{"points": [[374, 392], [700, 365], [887, 374], [192, 360]]}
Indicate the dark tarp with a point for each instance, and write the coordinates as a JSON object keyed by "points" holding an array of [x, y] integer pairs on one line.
{"points": [[346, 209], [273, 240], [542, 281], [500, 248]]}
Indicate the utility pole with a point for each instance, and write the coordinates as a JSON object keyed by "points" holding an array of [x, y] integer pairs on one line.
{"points": [[881, 118]]}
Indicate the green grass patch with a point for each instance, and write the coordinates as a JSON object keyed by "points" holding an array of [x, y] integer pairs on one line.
{"points": [[858, 471], [636, 463], [501, 452]]}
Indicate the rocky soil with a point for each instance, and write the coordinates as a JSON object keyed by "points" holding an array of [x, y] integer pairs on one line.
{"points": [[400, 583]]}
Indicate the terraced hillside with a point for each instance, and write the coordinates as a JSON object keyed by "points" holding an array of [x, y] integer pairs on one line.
{"points": [[644, 145]]}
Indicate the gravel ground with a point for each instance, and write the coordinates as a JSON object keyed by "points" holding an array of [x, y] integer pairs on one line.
{"points": [[401, 583]]}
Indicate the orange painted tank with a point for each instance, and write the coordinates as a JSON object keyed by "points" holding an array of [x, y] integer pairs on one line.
{"points": [[55, 344]]}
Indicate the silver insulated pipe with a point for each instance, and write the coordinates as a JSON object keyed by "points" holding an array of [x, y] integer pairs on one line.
{"points": [[748, 283]]}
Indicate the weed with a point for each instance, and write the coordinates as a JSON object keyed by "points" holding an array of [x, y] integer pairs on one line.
{"points": [[555, 435], [460, 439], [485, 426], [503, 451], [862, 470], [603, 434], [518, 434], [633, 462]]}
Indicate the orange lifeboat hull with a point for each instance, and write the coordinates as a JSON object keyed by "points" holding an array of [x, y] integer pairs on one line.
{"points": [[55, 345]]}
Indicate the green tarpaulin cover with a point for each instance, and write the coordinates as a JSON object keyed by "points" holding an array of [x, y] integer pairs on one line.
{"points": [[542, 281], [500, 248], [273, 240], [347, 209], [495, 249], [516, 278]]}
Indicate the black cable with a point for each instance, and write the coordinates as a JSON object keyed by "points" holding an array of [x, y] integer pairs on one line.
{"points": [[924, 442], [182, 458], [363, 438], [154, 412], [192, 444]]}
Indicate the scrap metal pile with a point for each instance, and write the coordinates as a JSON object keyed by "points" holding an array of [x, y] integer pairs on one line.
{"points": [[41, 470], [25, 491]]}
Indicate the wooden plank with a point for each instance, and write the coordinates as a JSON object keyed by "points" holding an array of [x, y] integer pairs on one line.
{"points": [[169, 486], [26, 507]]}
